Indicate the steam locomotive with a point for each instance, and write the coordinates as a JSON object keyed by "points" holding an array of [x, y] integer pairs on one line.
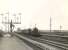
{"points": [[32, 32]]}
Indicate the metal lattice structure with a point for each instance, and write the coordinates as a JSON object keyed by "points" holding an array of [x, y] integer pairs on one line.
{"points": [[11, 21]]}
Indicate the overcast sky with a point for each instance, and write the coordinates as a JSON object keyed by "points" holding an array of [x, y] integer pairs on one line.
{"points": [[37, 12]]}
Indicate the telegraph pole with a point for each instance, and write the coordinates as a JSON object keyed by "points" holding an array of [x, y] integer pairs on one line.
{"points": [[8, 20], [60, 28], [50, 23], [14, 17], [2, 17], [20, 17]]}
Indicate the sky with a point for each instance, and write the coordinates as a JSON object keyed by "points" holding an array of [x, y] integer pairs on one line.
{"points": [[36, 12]]}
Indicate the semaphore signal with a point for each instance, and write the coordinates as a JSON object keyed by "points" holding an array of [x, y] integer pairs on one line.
{"points": [[11, 22]]}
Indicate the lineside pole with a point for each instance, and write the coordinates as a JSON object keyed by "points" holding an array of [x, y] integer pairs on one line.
{"points": [[60, 28], [50, 24]]}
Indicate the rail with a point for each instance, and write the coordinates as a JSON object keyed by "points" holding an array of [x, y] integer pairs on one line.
{"points": [[38, 44]]}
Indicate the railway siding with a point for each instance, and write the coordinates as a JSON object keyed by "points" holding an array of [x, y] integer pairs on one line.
{"points": [[42, 45]]}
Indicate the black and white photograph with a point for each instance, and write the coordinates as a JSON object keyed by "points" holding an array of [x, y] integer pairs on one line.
{"points": [[33, 24]]}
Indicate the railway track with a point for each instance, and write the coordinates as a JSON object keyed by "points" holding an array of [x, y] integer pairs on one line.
{"points": [[33, 45], [56, 44], [44, 46]]}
